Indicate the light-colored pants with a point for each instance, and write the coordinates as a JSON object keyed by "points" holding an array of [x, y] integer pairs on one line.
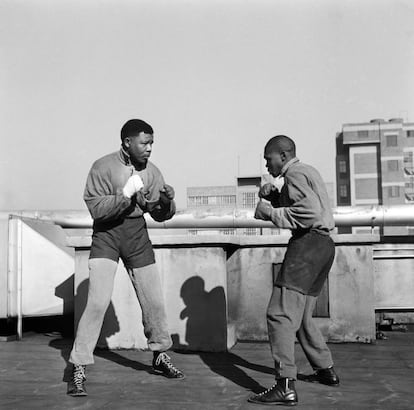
{"points": [[147, 284], [289, 314]]}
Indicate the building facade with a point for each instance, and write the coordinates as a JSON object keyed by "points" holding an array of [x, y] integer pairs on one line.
{"points": [[375, 166]]}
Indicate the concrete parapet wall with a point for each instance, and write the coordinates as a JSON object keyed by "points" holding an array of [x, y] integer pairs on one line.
{"points": [[351, 295], [217, 288]]}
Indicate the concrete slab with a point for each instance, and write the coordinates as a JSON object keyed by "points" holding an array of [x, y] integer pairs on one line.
{"points": [[373, 376]]}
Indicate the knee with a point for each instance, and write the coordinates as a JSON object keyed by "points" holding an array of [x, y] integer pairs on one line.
{"points": [[274, 316], [96, 307], [155, 310]]}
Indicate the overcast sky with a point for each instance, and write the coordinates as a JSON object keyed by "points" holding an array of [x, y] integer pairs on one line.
{"points": [[215, 79]]}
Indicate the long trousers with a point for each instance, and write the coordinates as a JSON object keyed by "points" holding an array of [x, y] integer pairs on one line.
{"points": [[147, 285], [289, 314]]}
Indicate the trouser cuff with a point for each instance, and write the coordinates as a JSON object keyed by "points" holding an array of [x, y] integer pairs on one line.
{"points": [[161, 346]]}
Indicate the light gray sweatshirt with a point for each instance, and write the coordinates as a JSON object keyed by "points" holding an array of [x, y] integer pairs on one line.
{"points": [[303, 202], [103, 191]]}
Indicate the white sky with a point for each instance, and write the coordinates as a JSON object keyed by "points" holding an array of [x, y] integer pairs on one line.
{"points": [[215, 79]]}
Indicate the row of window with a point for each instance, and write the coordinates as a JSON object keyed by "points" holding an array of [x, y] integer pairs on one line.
{"points": [[211, 200], [364, 164], [390, 140], [232, 231], [248, 200], [394, 191]]}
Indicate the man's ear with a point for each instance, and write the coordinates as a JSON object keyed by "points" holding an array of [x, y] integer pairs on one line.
{"points": [[127, 142], [283, 155]]}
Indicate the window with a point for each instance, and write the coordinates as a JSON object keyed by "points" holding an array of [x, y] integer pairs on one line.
{"points": [[409, 186], [394, 191], [342, 167], [366, 188], [365, 163], [343, 191], [249, 199], [409, 191], [212, 200], [410, 134], [391, 140], [252, 231], [362, 134], [409, 162], [227, 200], [228, 231], [392, 165]]}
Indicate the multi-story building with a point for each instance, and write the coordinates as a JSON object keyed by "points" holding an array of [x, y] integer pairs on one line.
{"points": [[375, 166]]}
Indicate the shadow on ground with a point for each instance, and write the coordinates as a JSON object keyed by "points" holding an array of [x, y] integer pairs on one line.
{"points": [[206, 328], [111, 326]]}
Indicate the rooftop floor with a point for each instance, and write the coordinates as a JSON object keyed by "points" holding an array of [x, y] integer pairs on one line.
{"points": [[32, 374]]}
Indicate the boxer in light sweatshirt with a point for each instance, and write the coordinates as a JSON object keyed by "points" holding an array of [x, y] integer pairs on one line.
{"points": [[120, 188]]}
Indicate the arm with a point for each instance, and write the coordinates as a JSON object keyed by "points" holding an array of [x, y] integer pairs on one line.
{"points": [[104, 205]]}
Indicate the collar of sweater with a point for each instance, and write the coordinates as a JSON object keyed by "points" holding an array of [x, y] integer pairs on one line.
{"points": [[124, 157], [287, 165]]}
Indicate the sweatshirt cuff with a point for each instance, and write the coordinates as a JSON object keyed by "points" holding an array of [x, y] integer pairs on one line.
{"points": [[277, 217]]}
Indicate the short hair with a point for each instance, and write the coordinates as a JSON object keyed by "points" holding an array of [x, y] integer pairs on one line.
{"points": [[132, 128], [281, 143]]}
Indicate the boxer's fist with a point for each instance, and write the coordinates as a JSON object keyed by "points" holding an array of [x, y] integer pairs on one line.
{"points": [[167, 194], [266, 191], [263, 211], [132, 186]]}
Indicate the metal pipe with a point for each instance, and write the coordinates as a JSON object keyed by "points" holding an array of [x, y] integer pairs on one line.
{"points": [[14, 274], [19, 296], [377, 215]]}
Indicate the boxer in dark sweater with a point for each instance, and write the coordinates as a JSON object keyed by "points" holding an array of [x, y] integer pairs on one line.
{"points": [[303, 207]]}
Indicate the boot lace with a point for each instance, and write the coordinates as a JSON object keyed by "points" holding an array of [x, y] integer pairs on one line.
{"points": [[268, 390], [79, 376], [166, 360]]}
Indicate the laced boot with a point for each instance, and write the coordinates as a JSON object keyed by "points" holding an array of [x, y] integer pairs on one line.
{"points": [[77, 385], [326, 376], [283, 393], [161, 364]]}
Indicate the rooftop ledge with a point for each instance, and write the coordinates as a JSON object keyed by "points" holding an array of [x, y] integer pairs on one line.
{"points": [[84, 241]]}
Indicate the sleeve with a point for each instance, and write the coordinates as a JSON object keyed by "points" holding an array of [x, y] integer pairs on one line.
{"points": [[104, 205], [305, 206]]}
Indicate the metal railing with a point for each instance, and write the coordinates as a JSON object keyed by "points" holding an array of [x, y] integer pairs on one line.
{"points": [[378, 215]]}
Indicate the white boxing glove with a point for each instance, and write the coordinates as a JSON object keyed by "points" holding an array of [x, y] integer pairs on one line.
{"points": [[132, 186]]}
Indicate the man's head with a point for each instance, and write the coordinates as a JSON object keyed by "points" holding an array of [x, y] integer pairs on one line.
{"points": [[278, 151], [137, 139]]}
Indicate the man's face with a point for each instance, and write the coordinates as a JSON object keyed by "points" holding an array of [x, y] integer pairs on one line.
{"points": [[274, 162], [139, 147]]}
